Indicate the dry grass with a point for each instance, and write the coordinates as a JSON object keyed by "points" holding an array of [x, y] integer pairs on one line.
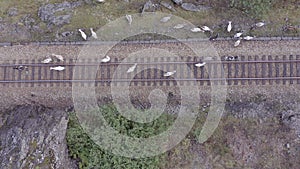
{"points": [[237, 143]]}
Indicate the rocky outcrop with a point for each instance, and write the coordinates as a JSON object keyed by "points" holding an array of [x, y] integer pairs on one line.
{"points": [[167, 5], [149, 6], [48, 12], [193, 7], [34, 137], [28, 21], [178, 2]]}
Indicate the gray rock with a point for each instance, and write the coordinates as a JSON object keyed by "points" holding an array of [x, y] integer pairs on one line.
{"points": [[28, 21], [66, 34], [193, 7], [36, 28], [61, 20], [12, 11], [34, 137], [149, 6], [178, 2], [291, 119], [47, 13], [167, 5]]}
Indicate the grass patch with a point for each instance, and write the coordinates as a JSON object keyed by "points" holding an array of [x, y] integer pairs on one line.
{"points": [[255, 8], [95, 15]]}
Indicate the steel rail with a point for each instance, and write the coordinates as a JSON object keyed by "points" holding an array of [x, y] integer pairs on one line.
{"points": [[254, 70], [144, 80], [144, 63]]}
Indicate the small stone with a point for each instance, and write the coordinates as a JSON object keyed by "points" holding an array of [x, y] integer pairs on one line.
{"points": [[36, 28], [193, 7], [66, 34], [32, 94], [28, 21], [149, 6], [61, 20], [178, 2], [12, 11], [167, 5]]}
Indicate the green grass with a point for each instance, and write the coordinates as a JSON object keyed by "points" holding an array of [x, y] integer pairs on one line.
{"points": [[96, 15]]}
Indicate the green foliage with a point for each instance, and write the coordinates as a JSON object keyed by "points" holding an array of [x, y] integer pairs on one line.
{"points": [[255, 8], [90, 155], [132, 129]]}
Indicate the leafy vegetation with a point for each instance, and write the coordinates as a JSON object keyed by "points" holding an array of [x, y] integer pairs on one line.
{"points": [[218, 152], [90, 155], [255, 8], [133, 129]]}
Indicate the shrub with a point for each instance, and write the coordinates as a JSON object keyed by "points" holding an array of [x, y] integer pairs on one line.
{"points": [[90, 155], [255, 8]]}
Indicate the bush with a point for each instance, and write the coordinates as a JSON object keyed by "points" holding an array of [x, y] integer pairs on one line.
{"points": [[90, 155], [255, 8]]}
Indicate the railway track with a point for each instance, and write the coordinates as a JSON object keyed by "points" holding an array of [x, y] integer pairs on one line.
{"points": [[248, 70]]}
